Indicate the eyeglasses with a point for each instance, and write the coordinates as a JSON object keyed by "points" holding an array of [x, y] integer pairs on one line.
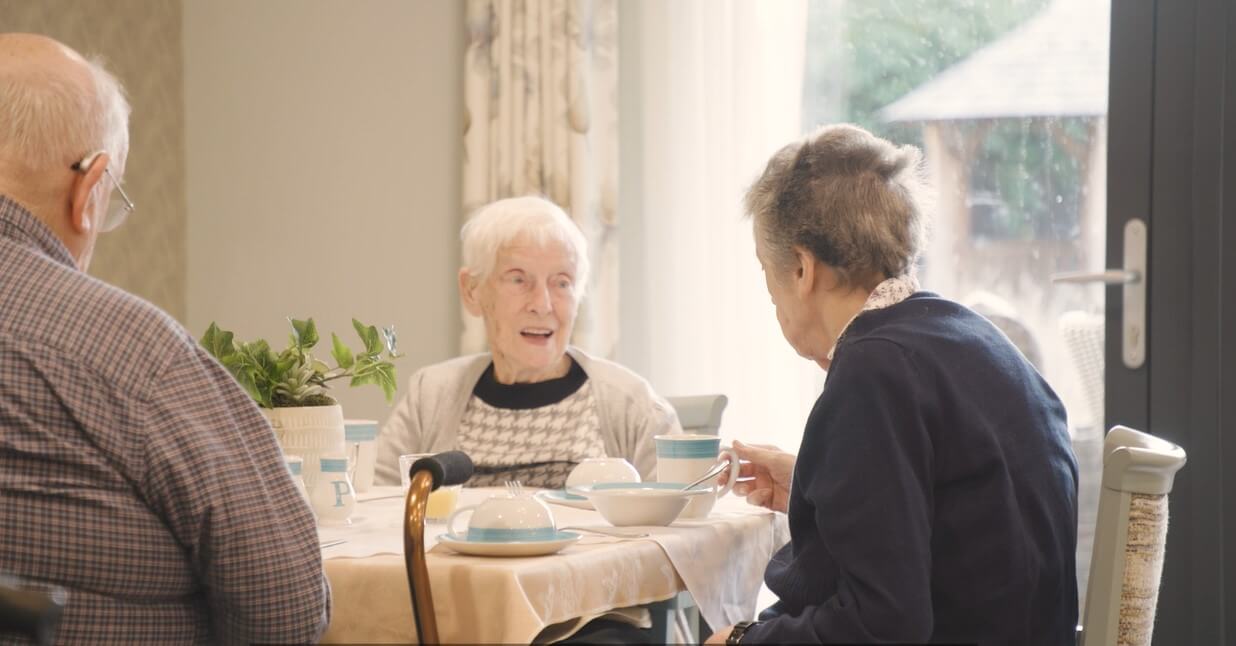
{"points": [[117, 210]]}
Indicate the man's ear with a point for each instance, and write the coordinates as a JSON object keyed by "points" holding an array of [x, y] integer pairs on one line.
{"points": [[467, 293], [82, 194]]}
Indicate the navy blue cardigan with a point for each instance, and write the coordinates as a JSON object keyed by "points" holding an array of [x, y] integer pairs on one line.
{"points": [[935, 493]]}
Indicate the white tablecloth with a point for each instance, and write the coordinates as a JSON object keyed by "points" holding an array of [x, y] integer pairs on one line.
{"points": [[720, 561]]}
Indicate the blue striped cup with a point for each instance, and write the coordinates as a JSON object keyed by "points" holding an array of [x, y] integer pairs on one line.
{"points": [[683, 457], [506, 519]]}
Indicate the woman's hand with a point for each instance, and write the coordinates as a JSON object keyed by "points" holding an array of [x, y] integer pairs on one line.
{"points": [[764, 477]]}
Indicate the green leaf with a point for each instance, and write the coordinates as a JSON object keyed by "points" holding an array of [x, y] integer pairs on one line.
{"points": [[369, 334], [235, 361], [343, 355], [247, 380], [287, 359], [265, 364], [382, 374], [320, 367], [218, 342], [244, 370], [306, 333], [388, 381]]}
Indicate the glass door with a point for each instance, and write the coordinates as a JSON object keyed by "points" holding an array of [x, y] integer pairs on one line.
{"points": [[1008, 100], [1173, 163]]}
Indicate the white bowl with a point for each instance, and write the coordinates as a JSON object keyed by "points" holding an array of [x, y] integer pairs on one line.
{"points": [[648, 503]]}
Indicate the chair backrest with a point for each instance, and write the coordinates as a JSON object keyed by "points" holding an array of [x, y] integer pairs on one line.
{"points": [[1129, 540], [1083, 338], [700, 413]]}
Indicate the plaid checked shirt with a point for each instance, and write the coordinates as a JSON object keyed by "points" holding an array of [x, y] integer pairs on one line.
{"points": [[134, 472]]}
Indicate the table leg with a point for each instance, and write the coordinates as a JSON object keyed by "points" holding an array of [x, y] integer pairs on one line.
{"points": [[680, 611]]}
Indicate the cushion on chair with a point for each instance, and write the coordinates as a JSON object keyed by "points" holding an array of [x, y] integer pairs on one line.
{"points": [[1143, 565]]}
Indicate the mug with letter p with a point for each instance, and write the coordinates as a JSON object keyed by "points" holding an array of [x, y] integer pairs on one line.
{"points": [[684, 457]]}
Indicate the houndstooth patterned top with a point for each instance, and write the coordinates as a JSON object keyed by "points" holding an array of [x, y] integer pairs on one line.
{"points": [[534, 433], [136, 473]]}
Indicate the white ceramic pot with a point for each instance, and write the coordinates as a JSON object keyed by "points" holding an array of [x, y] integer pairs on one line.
{"points": [[309, 432]]}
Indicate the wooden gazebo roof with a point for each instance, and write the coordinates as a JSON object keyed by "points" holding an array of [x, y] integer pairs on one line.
{"points": [[1054, 64]]}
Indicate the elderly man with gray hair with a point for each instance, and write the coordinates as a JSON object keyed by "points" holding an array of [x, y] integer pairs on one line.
{"points": [[137, 475], [934, 495]]}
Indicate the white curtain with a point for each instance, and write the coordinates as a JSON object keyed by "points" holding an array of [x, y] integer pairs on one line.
{"points": [[540, 94], [720, 90]]}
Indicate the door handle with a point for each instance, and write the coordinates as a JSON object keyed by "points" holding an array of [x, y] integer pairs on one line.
{"points": [[1109, 277], [1133, 280]]}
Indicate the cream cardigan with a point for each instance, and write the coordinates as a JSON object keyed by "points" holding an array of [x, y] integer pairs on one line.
{"points": [[427, 419]]}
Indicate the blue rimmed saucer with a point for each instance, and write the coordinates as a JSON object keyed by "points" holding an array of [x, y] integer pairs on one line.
{"points": [[461, 544]]}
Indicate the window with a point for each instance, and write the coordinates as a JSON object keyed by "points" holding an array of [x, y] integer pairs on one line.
{"points": [[1007, 99]]}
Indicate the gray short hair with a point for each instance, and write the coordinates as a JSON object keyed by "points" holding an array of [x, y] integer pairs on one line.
{"points": [[857, 202], [532, 219], [47, 122]]}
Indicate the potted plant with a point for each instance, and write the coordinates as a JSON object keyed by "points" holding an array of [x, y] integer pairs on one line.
{"points": [[291, 386]]}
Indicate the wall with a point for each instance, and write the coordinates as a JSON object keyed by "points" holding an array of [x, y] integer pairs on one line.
{"points": [[140, 42], [324, 154]]}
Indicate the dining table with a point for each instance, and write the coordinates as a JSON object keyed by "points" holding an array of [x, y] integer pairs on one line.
{"points": [[713, 566]]}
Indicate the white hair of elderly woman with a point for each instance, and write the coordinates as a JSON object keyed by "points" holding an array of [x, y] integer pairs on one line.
{"points": [[47, 120], [530, 219]]}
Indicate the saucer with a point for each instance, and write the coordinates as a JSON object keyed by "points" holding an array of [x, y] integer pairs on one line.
{"points": [[462, 545], [560, 497]]}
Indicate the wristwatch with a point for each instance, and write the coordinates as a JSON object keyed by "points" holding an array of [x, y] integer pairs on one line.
{"points": [[739, 630]]}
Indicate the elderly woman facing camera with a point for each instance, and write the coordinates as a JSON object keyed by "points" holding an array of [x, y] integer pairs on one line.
{"points": [[933, 497], [532, 407]]}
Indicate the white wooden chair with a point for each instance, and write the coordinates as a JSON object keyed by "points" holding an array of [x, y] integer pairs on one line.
{"points": [[1082, 333], [1083, 338], [700, 413], [1130, 538]]}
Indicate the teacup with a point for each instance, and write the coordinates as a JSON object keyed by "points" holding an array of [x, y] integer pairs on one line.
{"points": [[595, 470], [506, 519], [684, 457]]}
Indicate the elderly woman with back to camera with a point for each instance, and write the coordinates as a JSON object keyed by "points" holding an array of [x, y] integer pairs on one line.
{"points": [[933, 496], [532, 407]]}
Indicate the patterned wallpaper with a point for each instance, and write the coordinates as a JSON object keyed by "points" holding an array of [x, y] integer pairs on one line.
{"points": [[140, 41]]}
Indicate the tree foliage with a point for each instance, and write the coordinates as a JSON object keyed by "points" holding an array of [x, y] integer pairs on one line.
{"points": [[863, 55], [889, 47]]}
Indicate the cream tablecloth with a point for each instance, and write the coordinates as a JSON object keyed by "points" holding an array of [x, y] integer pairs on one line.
{"points": [[720, 561]]}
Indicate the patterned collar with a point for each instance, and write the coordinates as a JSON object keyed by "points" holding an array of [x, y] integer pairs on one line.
{"points": [[887, 293], [19, 225]]}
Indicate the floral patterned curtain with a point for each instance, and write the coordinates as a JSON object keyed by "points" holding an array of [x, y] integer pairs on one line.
{"points": [[541, 101]]}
